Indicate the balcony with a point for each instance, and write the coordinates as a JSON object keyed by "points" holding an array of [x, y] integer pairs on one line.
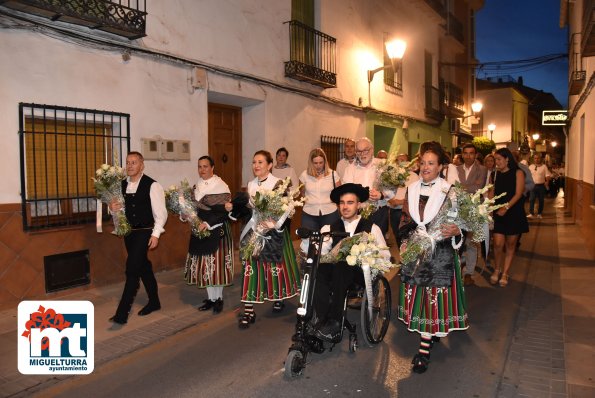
{"points": [[588, 33], [434, 10], [127, 20], [312, 56], [578, 76], [432, 109], [454, 28], [451, 99]]}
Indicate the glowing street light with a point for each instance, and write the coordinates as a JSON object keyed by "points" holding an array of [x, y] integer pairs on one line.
{"points": [[491, 128], [535, 136], [554, 144]]}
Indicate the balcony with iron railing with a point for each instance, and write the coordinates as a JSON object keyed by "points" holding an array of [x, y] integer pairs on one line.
{"points": [[577, 74], [432, 109], [588, 32], [439, 6], [312, 56], [454, 28], [451, 99], [125, 18]]}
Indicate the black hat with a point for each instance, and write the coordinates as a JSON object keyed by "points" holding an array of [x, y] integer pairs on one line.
{"points": [[362, 193]]}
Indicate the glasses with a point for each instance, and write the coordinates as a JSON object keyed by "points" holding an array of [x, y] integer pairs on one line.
{"points": [[363, 152]]}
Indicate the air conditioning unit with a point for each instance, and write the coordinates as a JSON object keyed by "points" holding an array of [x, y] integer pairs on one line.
{"points": [[455, 125]]}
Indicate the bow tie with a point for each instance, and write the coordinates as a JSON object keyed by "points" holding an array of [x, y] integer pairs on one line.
{"points": [[423, 184]]}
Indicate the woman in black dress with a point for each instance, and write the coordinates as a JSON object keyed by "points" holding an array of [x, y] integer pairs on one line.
{"points": [[510, 221]]}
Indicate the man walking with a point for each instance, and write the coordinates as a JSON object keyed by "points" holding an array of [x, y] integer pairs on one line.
{"points": [[541, 176], [472, 177], [348, 159], [144, 201]]}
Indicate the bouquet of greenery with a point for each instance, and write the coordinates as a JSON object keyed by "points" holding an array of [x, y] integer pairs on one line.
{"points": [[392, 176], [108, 185], [271, 209], [361, 250], [367, 209], [465, 210], [180, 200]]}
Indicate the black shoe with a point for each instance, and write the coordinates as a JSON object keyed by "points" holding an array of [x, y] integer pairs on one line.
{"points": [[218, 306], [118, 320], [147, 309], [278, 306], [420, 363], [208, 304], [330, 331], [246, 319]]}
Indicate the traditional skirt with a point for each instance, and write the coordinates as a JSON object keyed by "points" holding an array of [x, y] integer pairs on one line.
{"points": [[434, 310], [273, 281], [214, 269]]}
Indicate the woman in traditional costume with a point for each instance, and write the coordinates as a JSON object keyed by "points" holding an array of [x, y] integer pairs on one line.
{"points": [[209, 263], [273, 274], [431, 299]]}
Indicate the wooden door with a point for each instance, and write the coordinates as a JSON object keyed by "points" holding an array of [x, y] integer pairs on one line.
{"points": [[225, 143]]}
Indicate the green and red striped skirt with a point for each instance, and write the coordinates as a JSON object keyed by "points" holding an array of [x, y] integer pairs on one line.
{"points": [[273, 281], [434, 310]]}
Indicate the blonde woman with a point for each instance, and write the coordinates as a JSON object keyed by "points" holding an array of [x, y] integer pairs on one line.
{"points": [[318, 180]]}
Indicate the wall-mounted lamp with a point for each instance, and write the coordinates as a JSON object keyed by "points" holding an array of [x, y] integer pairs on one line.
{"points": [[396, 50], [476, 107], [491, 129]]}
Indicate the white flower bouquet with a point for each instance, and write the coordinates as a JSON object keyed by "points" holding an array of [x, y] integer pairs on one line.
{"points": [[179, 200], [391, 176], [108, 185], [474, 212], [271, 209], [367, 209]]}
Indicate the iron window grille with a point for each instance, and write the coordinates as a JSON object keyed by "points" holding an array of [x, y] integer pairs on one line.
{"points": [[393, 75], [334, 148], [60, 149]]}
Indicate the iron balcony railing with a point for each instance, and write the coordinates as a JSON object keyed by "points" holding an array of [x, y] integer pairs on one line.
{"points": [[577, 72], [439, 6], [125, 18], [312, 56], [433, 104], [454, 28], [451, 98]]}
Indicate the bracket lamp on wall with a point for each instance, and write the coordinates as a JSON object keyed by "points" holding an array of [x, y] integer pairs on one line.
{"points": [[396, 51]]}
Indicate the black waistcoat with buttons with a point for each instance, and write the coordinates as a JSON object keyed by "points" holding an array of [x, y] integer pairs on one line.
{"points": [[138, 205], [362, 226]]}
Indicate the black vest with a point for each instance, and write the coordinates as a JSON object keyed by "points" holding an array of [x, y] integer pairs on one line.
{"points": [[339, 226], [138, 205]]}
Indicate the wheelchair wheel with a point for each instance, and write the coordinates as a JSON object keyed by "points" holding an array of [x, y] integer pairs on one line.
{"points": [[294, 364], [374, 327]]}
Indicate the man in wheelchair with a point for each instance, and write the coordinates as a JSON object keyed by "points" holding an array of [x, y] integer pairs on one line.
{"points": [[334, 280]]}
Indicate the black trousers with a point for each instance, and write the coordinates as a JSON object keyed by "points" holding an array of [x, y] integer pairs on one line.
{"points": [[332, 283], [380, 218], [138, 268], [395, 219]]}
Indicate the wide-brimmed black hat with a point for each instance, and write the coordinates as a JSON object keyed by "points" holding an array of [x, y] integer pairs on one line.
{"points": [[362, 193]]}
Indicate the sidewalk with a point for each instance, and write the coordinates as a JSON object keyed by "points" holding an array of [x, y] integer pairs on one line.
{"points": [[551, 354]]}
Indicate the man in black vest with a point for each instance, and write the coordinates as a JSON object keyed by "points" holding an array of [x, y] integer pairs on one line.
{"points": [[333, 280], [144, 202]]}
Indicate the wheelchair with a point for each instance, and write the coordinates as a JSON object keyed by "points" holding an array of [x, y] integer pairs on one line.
{"points": [[374, 323]]}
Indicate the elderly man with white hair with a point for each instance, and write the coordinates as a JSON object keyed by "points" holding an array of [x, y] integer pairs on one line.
{"points": [[364, 172]]}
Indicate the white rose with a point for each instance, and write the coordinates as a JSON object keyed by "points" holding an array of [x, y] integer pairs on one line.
{"points": [[172, 187], [483, 210], [98, 172], [351, 260], [355, 250], [284, 207], [105, 167]]}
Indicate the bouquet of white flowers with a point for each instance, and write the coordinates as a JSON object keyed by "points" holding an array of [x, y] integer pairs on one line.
{"points": [[271, 209], [108, 185], [179, 200], [465, 210], [361, 250], [391, 176]]}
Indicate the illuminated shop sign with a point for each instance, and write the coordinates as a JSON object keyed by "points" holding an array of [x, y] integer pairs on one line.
{"points": [[554, 118]]}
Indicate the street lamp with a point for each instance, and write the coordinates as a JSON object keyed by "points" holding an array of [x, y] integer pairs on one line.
{"points": [[554, 144], [476, 107], [491, 128], [396, 50], [535, 136]]}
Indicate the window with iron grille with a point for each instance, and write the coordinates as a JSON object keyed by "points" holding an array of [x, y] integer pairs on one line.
{"points": [[393, 74], [334, 148], [60, 149]]}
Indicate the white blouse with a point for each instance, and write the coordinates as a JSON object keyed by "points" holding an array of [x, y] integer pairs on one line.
{"points": [[318, 193], [269, 183]]}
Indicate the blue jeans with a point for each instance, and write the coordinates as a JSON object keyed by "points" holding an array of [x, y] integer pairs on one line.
{"points": [[539, 193]]}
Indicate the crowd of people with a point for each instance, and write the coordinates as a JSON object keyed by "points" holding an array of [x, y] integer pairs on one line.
{"points": [[432, 289]]}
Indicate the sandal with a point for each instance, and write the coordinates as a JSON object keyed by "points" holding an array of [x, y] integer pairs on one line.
{"points": [[495, 276], [420, 363], [246, 319], [504, 280]]}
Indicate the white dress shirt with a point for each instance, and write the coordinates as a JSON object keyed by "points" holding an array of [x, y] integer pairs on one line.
{"points": [[539, 173], [317, 192], [157, 204], [285, 172], [342, 165], [401, 191], [366, 176]]}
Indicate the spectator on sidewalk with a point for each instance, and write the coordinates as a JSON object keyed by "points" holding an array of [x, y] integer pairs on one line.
{"points": [[541, 176], [282, 169], [472, 176], [349, 151], [509, 221], [144, 204]]}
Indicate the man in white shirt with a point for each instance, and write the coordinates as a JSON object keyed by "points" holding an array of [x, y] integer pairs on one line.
{"points": [[364, 172], [348, 159], [541, 176], [472, 177], [145, 210], [333, 280]]}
